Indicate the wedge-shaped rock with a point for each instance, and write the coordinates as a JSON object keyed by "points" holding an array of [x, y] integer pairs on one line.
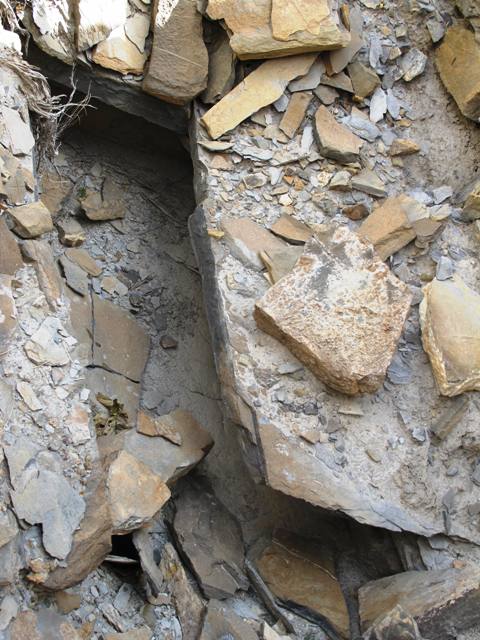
{"points": [[117, 52], [437, 600], [340, 311], [210, 537], [177, 73], [335, 141], [31, 220], [295, 113], [247, 240], [389, 227], [275, 28], [259, 89], [450, 321], [221, 68], [458, 62], [301, 571], [96, 20]]}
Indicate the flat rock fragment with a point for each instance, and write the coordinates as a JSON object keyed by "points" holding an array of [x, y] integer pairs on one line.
{"points": [[174, 73], [52, 28], [413, 64], [8, 314], [44, 624], [45, 347], [105, 203], [70, 232], [260, 88], [291, 229], [15, 133], [397, 624], [119, 53], [295, 113], [96, 20], [221, 68], [84, 260], [334, 140], [31, 220], [210, 537], [368, 182], [274, 28], [280, 262], [163, 427], [301, 571], [450, 322], [221, 621], [403, 147], [458, 62], [247, 240], [364, 79], [471, 207], [39, 252], [315, 312], [437, 600]]}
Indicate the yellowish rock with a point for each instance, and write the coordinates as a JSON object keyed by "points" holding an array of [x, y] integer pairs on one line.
{"points": [[31, 220], [471, 208], [273, 28], [291, 229], [119, 53], [458, 62], [403, 147], [295, 113], [335, 141], [259, 89], [247, 239], [450, 321]]}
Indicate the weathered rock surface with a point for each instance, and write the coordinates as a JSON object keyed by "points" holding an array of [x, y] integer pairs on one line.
{"points": [[94, 21], [441, 602], [171, 74], [274, 28], [31, 220], [163, 427], [397, 624], [259, 89], [119, 53], [221, 68], [210, 538], [8, 313], [44, 624], [222, 622], [315, 312], [39, 252], [52, 28], [458, 62], [471, 208], [454, 354], [291, 229], [103, 203], [45, 346], [247, 240], [334, 140], [295, 113], [301, 571]]}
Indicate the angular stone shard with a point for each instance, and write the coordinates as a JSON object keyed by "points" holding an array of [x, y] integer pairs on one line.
{"points": [[10, 256], [15, 133], [340, 311], [471, 208], [364, 79], [334, 140], [259, 89], [295, 113], [119, 53], [437, 600], [301, 571], [52, 27], [40, 253], [8, 314], [291, 229], [175, 73], [273, 28], [84, 260], [96, 20], [211, 539], [104, 203], [31, 220], [450, 321], [158, 427], [222, 622], [247, 240], [221, 68], [458, 62]]}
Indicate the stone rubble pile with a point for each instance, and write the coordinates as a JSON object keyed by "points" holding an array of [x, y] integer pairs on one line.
{"points": [[341, 281]]}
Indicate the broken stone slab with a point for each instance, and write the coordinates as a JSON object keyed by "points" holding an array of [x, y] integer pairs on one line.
{"points": [[94, 21], [276, 28], [437, 600], [458, 61], [340, 58], [368, 182], [302, 571], [8, 314], [364, 80], [75, 276], [31, 220], [295, 113], [16, 182], [119, 53], [389, 227], [210, 537], [91, 542], [52, 28], [148, 552], [221, 68], [120, 343], [471, 208], [10, 256], [44, 624], [15, 133], [222, 622], [303, 311], [54, 191], [188, 604], [403, 147], [280, 262], [8, 611], [454, 355], [45, 346], [135, 493], [334, 140], [8, 527], [259, 89], [291, 229], [83, 259], [396, 624], [70, 232], [39, 252], [413, 64], [311, 80], [247, 239], [163, 427], [137, 27], [172, 75]]}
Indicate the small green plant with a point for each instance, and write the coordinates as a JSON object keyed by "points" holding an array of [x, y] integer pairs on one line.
{"points": [[82, 193]]}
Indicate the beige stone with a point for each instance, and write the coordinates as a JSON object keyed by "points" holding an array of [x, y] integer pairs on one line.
{"points": [[31, 220], [458, 62], [334, 140], [393, 225], [8, 314], [137, 28], [403, 147], [40, 253], [295, 113], [437, 600], [119, 53], [319, 311], [95, 20], [221, 69], [368, 182], [67, 602], [280, 262], [177, 73], [158, 427], [271, 28], [364, 80], [259, 89], [301, 571], [471, 208], [83, 259], [142, 633], [43, 624], [247, 240], [54, 190], [221, 621], [337, 60], [291, 229], [10, 256], [136, 493], [105, 205], [450, 321], [70, 232]]}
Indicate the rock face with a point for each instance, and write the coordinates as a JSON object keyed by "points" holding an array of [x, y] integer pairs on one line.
{"points": [[441, 602], [315, 312], [172, 75], [210, 538], [334, 140], [458, 62], [450, 321], [259, 89], [300, 571], [275, 28]]}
